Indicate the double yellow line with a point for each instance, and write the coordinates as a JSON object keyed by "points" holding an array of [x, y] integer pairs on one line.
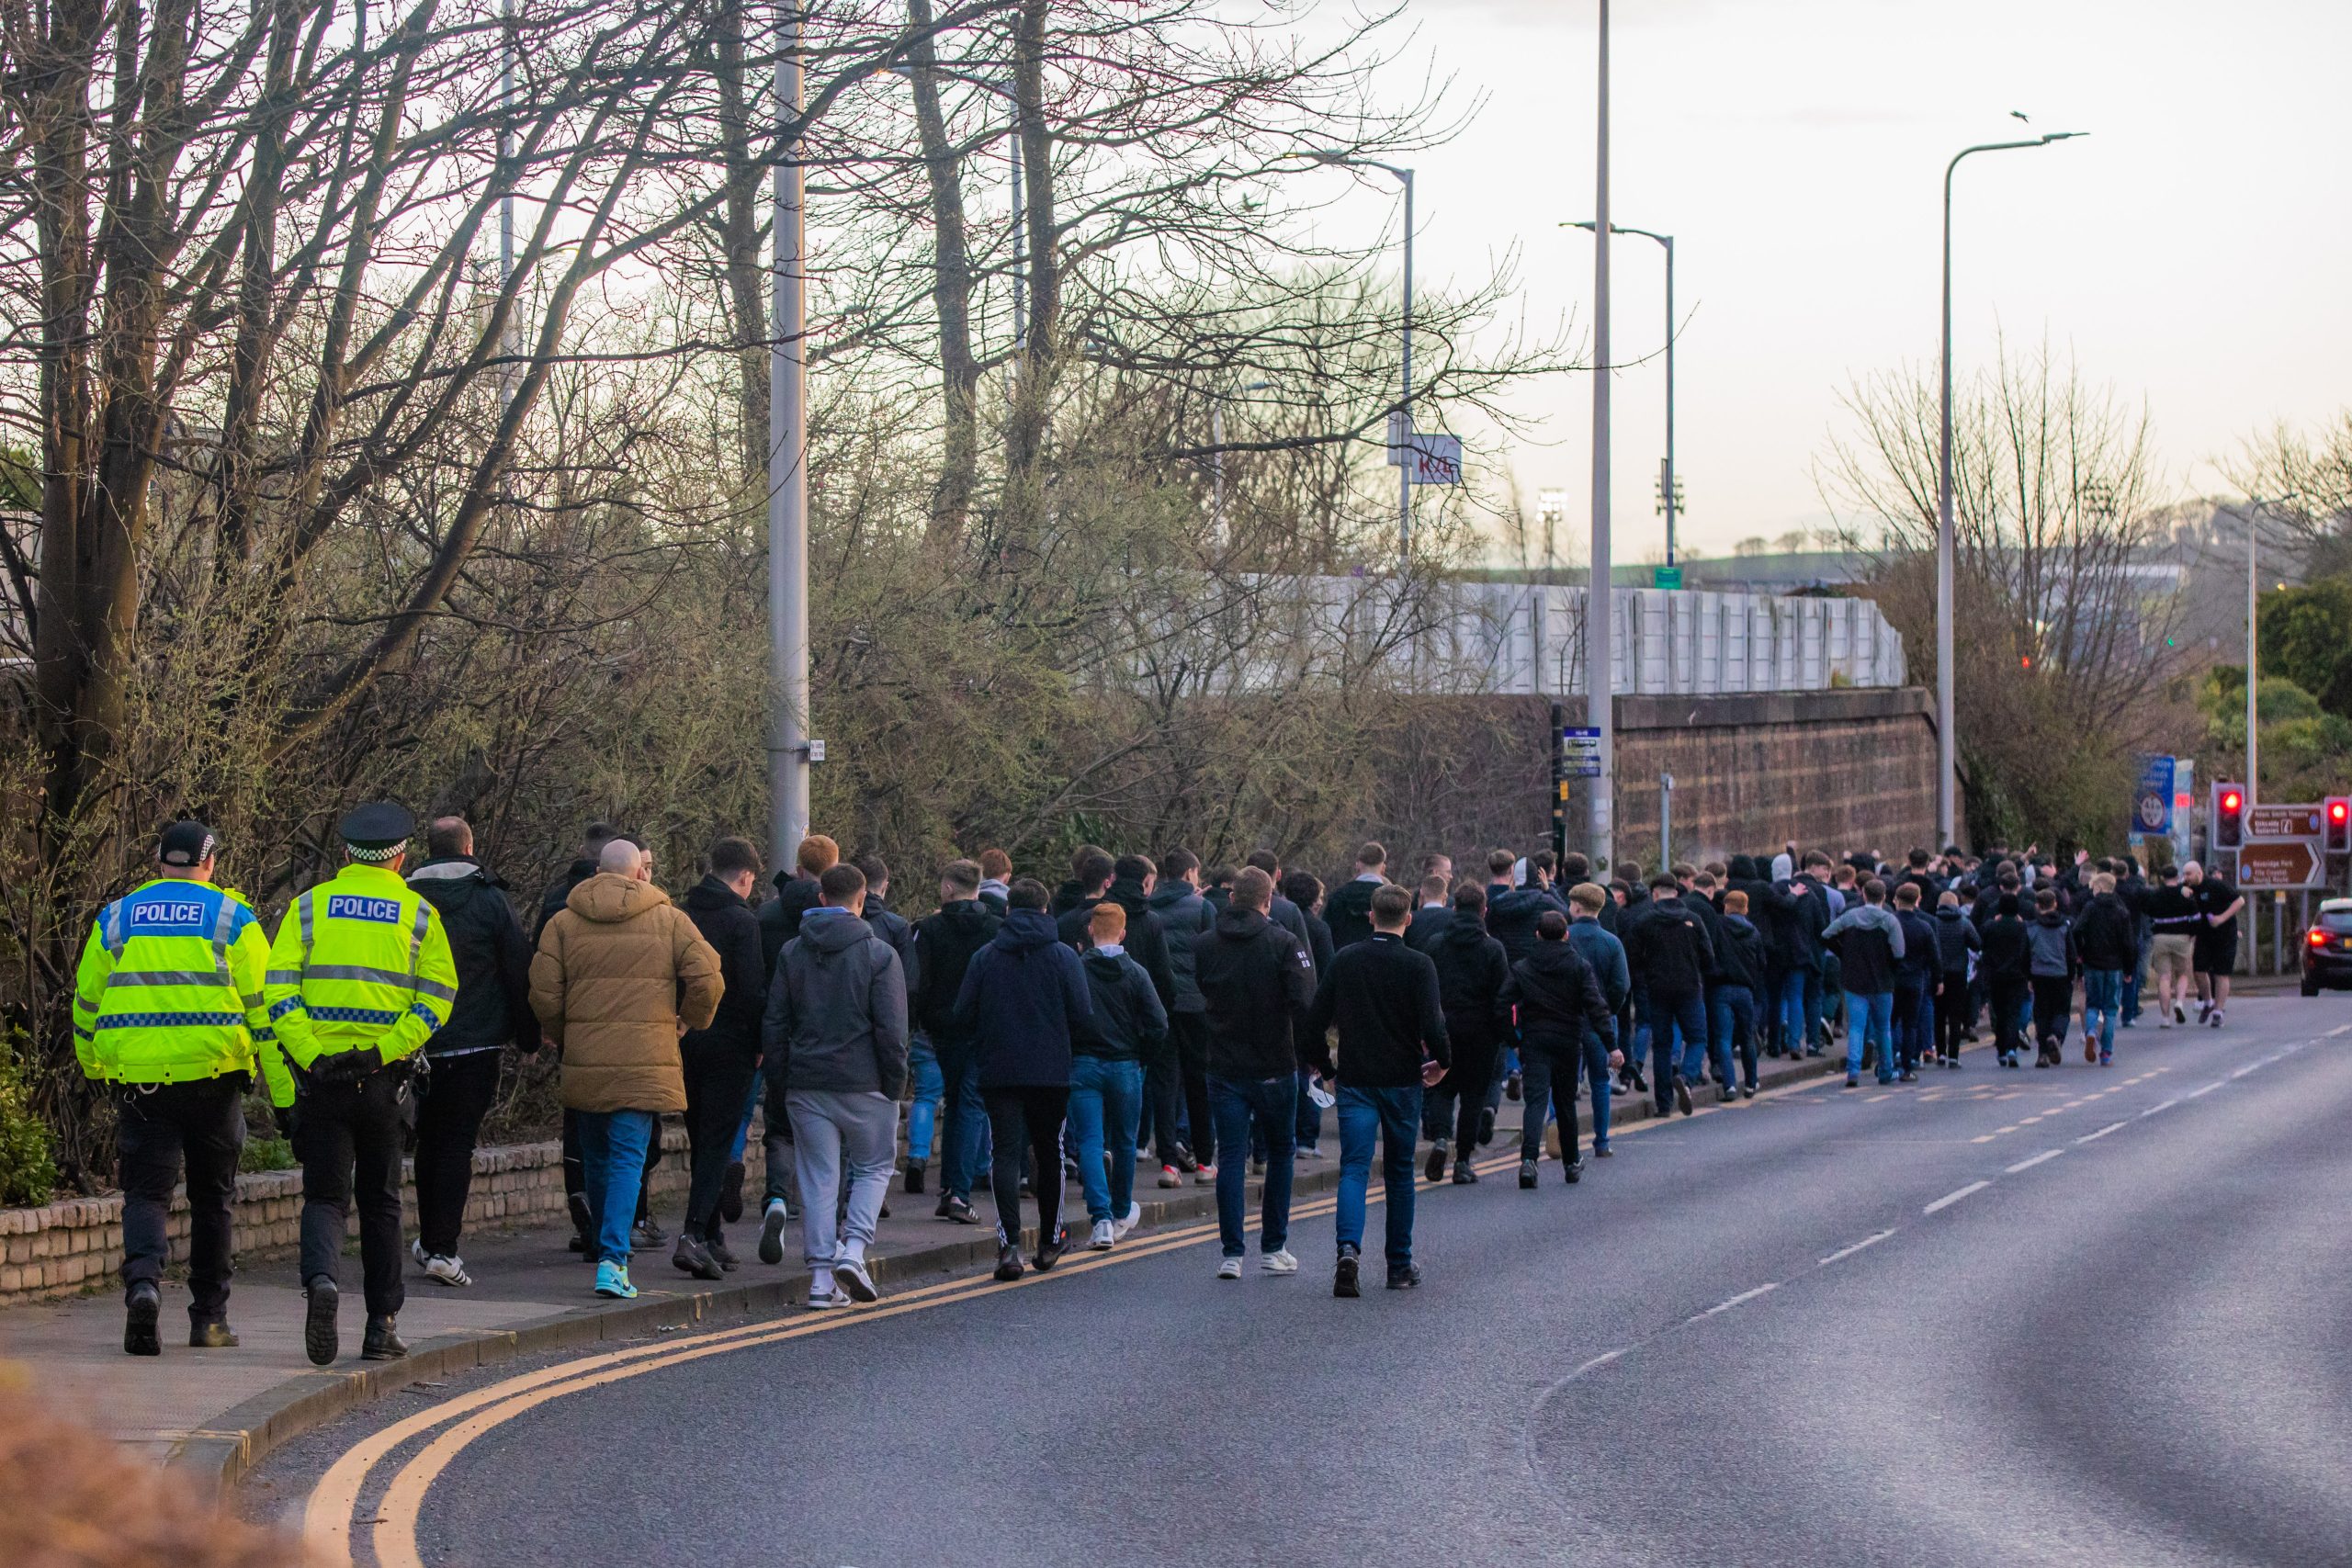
{"points": [[329, 1522]]}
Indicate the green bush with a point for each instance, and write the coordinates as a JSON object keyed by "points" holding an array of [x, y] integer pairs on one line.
{"points": [[265, 1154], [28, 1170]]}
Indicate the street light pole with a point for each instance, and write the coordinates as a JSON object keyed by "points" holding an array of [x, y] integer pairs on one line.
{"points": [[1599, 673], [788, 480], [1666, 488], [1947, 751], [2253, 716]]}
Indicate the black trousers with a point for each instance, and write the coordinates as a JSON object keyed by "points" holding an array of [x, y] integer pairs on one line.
{"points": [[2054, 1003], [348, 1139], [1026, 1119], [199, 1125], [1452, 1110], [1162, 1087], [718, 1080], [575, 1169], [1189, 1032], [451, 1101], [1546, 1079], [2007, 994], [1953, 1014]]}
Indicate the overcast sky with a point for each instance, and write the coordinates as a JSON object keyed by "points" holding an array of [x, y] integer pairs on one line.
{"points": [[2192, 252]]}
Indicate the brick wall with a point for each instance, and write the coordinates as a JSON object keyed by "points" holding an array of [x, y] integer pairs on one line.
{"points": [[65, 1246]]}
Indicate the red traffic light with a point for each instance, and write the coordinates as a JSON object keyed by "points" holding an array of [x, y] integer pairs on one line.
{"points": [[2335, 831], [2339, 811], [2231, 800]]}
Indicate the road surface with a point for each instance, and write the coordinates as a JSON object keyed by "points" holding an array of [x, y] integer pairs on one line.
{"points": [[2091, 1316]]}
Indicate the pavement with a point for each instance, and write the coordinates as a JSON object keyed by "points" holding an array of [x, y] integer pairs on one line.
{"points": [[2088, 1316], [215, 1414]]}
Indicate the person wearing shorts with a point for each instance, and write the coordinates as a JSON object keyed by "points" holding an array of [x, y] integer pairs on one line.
{"points": [[2175, 920], [2218, 904]]}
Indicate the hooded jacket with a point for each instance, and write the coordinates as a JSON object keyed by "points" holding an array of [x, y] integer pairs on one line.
{"points": [[1429, 923], [1556, 1001], [1383, 997], [1146, 942], [1472, 970], [1026, 1003], [492, 955], [1956, 938], [1667, 945], [1870, 946], [2006, 948], [1511, 916], [943, 948], [1739, 959], [1128, 1019], [551, 901], [1922, 960], [726, 922], [1348, 909], [1605, 954], [2050, 941], [1255, 978], [618, 970], [2106, 936], [836, 1017], [780, 915], [1184, 915]]}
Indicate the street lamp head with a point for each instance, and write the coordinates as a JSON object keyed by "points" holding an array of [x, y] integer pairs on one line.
{"points": [[2062, 136]]}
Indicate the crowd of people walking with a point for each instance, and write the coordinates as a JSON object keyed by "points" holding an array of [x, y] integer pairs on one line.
{"points": [[1145, 1012]]}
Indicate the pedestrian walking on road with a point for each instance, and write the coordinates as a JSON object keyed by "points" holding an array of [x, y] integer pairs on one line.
{"points": [[1106, 1081], [2008, 954], [493, 1010], [2051, 965], [1604, 1051], [1348, 910], [1868, 941], [1956, 941], [1740, 963], [1384, 997], [2107, 944], [1256, 979], [1556, 1003], [722, 1064], [944, 946], [1024, 1000], [620, 976], [2217, 944], [1916, 977], [1667, 945], [360, 976], [2174, 923], [835, 1038], [1432, 912], [1184, 918], [169, 1016], [1472, 970]]}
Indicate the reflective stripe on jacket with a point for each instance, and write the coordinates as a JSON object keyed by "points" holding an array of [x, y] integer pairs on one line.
{"points": [[360, 961], [169, 988]]}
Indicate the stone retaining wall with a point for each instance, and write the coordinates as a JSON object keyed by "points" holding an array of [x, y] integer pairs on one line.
{"points": [[66, 1247]]}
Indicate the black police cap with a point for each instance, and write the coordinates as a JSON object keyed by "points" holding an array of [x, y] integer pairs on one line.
{"points": [[186, 844], [377, 829]]}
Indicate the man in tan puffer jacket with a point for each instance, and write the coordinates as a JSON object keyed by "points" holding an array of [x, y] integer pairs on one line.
{"points": [[619, 975]]}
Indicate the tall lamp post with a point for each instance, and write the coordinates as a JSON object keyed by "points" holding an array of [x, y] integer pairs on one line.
{"points": [[1947, 751], [1600, 668], [788, 748], [1666, 486]]}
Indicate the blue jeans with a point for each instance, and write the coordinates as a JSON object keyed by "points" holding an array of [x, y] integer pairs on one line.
{"points": [[1105, 1102], [931, 1087], [1309, 1115], [612, 1155], [965, 1142], [1234, 1105], [1870, 1017], [1596, 1073], [1731, 1023], [1670, 1012], [1394, 1114], [1795, 1036], [2101, 991]]}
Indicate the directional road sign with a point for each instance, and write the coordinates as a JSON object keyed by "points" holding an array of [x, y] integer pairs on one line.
{"points": [[2284, 862]]}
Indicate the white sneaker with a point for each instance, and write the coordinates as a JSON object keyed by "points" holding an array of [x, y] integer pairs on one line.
{"points": [[1102, 1237], [447, 1270], [1126, 1222], [850, 1275], [1229, 1268], [825, 1300], [1278, 1261]]}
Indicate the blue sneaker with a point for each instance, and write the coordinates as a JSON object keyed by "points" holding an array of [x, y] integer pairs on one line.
{"points": [[612, 1281]]}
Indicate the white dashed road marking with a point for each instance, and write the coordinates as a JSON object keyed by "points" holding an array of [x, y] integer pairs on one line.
{"points": [[2102, 1132], [2030, 1164], [1949, 1199]]}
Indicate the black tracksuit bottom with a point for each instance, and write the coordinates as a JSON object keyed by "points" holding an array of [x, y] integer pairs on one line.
{"points": [[1026, 1118], [452, 1099]]}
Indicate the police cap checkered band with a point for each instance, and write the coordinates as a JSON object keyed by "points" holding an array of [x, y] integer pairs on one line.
{"points": [[376, 831], [186, 844]]}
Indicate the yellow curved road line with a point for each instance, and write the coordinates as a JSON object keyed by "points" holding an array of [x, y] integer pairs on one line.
{"points": [[328, 1519]]}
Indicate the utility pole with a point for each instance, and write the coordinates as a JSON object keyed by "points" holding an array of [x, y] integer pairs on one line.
{"points": [[1405, 469], [788, 476], [506, 202], [1600, 676], [1667, 485], [2252, 779]]}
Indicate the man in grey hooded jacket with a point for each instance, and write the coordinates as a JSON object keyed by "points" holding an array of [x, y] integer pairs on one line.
{"points": [[835, 1034]]}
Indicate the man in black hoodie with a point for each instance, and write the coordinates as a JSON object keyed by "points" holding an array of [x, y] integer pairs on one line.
{"points": [[721, 1062], [1091, 873], [1184, 917], [1348, 910], [1471, 971], [1556, 1002], [1666, 946], [795, 889], [2106, 939], [493, 1007], [1433, 913], [1393, 1044], [943, 949], [1256, 979]]}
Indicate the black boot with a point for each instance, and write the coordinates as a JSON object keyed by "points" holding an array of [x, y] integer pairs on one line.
{"points": [[1435, 1169], [211, 1334], [319, 1342], [1465, 1174], [380, 1343], [140, 1313], [1345, 1282], [914, 1177]]}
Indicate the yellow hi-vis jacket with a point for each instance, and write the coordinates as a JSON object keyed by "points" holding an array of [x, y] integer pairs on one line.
{"points": [[169, 990], [360, 961]]}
